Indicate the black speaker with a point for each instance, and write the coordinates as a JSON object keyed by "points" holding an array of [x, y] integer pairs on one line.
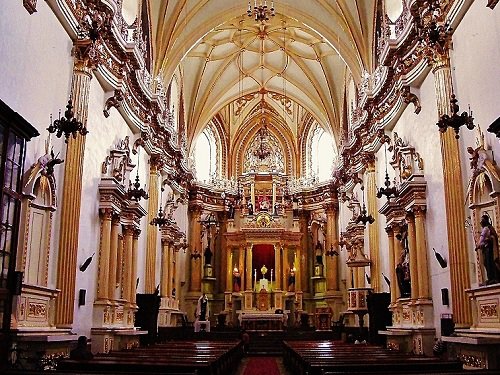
{"points": [[445, 299], [17, 283], [81, 297]]}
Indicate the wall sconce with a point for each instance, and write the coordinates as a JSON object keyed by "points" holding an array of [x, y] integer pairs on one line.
{"points": [[331, 252], [455, 121], [442, 262], [67, 125]]}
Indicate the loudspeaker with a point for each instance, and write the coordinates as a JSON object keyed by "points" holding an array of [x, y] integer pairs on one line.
{"points": [[17, 283], [444, 297], [81, 297]]}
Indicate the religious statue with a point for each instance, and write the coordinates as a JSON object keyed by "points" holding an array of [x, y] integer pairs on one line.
{"points": [[231, 210], [291, 280], [276, 209], [236, 280], [264, 203], [202, 309], [250, 208], [319, 253], [208, 255], [403, 267], [488, 243]]}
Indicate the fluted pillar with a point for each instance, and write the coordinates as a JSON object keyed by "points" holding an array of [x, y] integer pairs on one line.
{"points": [[119, 264], [373, 229], [104, 255], [229, 269], [286, 267], [392, 267], [195, 246], [249, 271], [113, 257], [453, 196], [422, 260], [171, 270], [151, 231], [413, 254], [277, 266], [135, 249], [299, 274], [332, 239], [128, 234], [72, 190], [241, 266], [164, 269]]}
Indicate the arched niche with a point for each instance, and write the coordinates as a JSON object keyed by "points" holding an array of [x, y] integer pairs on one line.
{"points": [[38, 205]]}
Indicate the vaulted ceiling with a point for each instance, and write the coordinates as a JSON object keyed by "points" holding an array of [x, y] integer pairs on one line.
{"points": [[303, 54]]}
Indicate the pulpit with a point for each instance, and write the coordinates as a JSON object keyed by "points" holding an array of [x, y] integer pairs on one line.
{"points": [[263, 300]]}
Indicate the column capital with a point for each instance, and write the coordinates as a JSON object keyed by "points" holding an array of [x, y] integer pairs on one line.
{"points": [[156, 163], [86, 56], [331, 207], [107, 213], [128, 230], [137, 233]]}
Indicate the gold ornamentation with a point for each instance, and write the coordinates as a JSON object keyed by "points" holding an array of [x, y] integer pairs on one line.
{"points": [[471, 360], [489, 310], [37, 310]]}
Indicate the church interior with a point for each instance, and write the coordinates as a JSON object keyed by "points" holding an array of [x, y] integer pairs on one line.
{"points": [[314, 180]]}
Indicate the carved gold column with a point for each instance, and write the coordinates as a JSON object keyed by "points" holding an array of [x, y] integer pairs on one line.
{"points": [[195, 246], [119, 263], [398, 249], [151, 231], [286, 267], [164, 268], [277, 266], [373, 229], [171, 264], [135, 249], [453, 195], [225, 263], [72, 189], [413, 254], [422, 261], [104, 254], [299, 272], [229, 269], [113, 257], [392, 270], [128, 234], [241, 266], [332, 277], [249, 271]]}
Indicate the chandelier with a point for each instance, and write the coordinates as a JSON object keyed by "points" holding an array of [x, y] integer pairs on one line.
{"points": [[67, 125], [261, 12], [135, 192], [363, 217], [388, 190], [160, 220], [263, 150], [456, 120]]}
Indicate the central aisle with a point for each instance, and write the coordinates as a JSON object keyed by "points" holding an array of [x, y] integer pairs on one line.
{"points": [[262, 366]]}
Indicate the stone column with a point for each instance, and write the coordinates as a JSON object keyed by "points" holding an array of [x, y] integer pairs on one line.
{"points": [[195, 245], [104, 255], [332, 267], [135, 248], [413, 253], [152, 231], [249, 270], [164, 268], [113, 257], [128, 234], [72, 189], [373, 229], [277, 266], [422, 261], [453, 194], [392, 270]]}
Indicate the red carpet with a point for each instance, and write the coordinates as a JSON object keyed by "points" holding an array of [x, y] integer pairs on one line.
{"points": [[261, 366]]}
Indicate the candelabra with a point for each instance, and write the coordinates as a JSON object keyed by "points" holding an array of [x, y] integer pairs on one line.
{"points": [[455, 121], [261, 12], [67, 125], [363, 217], [135, 192], [160, 220], [388, 190]]}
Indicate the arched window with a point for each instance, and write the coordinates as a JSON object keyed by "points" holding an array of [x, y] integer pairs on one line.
{"points": [[321, 154], [206, 156]]}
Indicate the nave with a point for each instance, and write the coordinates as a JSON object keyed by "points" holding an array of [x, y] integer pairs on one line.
{"points": [[173, 168]]}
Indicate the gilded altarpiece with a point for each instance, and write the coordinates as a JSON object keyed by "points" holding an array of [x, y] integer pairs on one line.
{"points": [[411, 303], [115, 307]]}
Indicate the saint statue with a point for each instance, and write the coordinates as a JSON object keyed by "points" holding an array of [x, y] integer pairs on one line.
{"points": [[202, 309], [488, 243], [403, 267], [291, 280], [208, 255], [236, 280], [319, 253]]}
